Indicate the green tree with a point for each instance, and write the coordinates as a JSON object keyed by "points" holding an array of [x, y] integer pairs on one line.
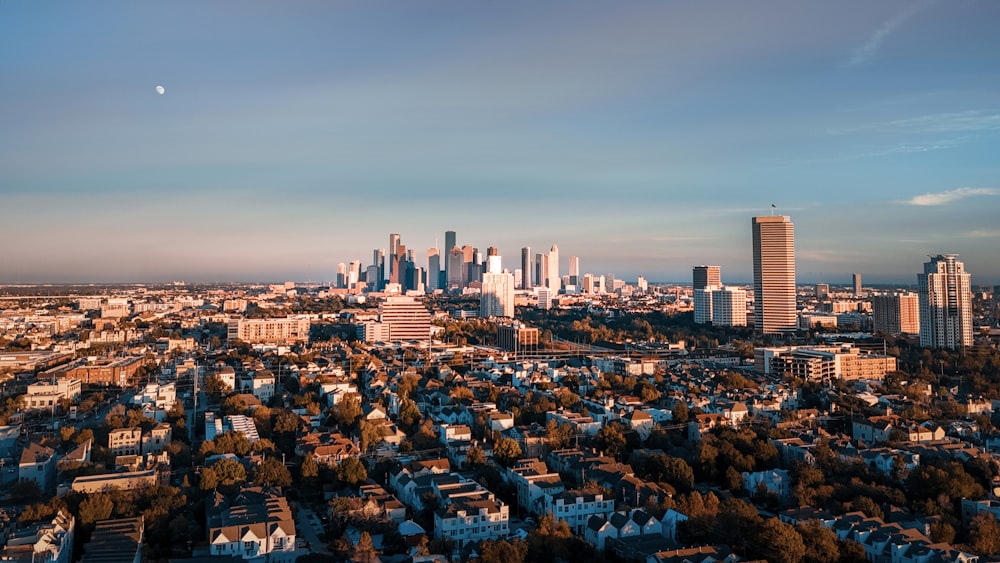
{"points": [[611, 439], [506, 451], [779, 542], [273, 473], [984, 534], [351, 471], [504, 551], [364, 551], [229, 472], [95, 508], [475, 457], [820, 543], [309, 468], [868, 506]]}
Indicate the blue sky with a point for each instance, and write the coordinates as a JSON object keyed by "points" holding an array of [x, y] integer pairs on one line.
{"points": [[641, 136]]}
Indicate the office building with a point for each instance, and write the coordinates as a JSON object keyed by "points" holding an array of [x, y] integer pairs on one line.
{"points": [[822, 291], [703, 304], [774, 274], [729, 306], [704, 276], [455, 269], [353, 273], [945, 290], [526, 268], [341, 275], [553, 281], [408, 319], [896, 313], [433, 269], [497, 296], [449, 244], [856, 280], [574, 270]]}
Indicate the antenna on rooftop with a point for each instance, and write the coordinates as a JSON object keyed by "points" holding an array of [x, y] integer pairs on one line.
{"points": [[773, 208]]}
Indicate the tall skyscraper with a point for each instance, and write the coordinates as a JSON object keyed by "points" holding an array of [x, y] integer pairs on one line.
{"points": [[774, 274], [703, 304], [433, 269], [496, 298], [449, 242], [554, 281], [455, 268], [393, 258], [353, 273], [704, 276], [896, 313], [341, 275], [945, 290], [856, 280], [574, 270], [378, 259], [526, 268]]}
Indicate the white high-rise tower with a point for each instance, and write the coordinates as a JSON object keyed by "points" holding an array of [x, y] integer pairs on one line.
{"points": [[774, 274], [945, 293]]}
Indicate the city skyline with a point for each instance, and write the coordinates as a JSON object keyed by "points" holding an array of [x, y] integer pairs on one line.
{"points": [[639, 138]]}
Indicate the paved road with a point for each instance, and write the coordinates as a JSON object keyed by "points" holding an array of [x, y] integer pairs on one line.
{"points": [[308, 527]]}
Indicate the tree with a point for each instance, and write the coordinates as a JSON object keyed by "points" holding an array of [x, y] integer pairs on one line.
{"points": [[371, 435], [506, 451], [984, 534], [475, 457], [611, 439], [942, 532], [273, 473], [364, 551], [504, 551], [868, 506], [820, 543], [95, 508], [347, 410], [309, 468], [779, 542], [351, 472], [229, 472]]}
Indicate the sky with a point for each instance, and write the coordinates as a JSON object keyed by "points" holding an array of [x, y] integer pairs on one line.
{"points": [[641, 136]]}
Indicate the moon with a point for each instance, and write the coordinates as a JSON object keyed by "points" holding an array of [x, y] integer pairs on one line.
{"points": [[160, 89]]}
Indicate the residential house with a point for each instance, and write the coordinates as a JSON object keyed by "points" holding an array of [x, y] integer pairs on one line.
{"points": [[50, 541], [125, 441], [256, 522], [576, 507], [38, 464]]}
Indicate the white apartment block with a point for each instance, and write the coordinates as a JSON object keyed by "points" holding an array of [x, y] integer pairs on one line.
{"points": [[286, 330], [575, 507], [45, 395]]}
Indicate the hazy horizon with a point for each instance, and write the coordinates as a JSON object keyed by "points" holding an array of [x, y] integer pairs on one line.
{"points": [[640, 137]]}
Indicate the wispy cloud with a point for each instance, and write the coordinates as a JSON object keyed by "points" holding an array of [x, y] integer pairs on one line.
{"points": [[948, 122], [984, 233], [949, 196], [866, 51]]}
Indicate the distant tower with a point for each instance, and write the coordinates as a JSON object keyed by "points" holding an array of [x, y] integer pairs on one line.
{"points": [[526, 268], [449, 243], [497, 295], [393, 259], [774, 274], [822, 291], [341, 275], [704, 276], [856, 280], [433, 269], [454, 268], [574, 270], [378, 259], [353, 273], [945, 290], [553, 280]]}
